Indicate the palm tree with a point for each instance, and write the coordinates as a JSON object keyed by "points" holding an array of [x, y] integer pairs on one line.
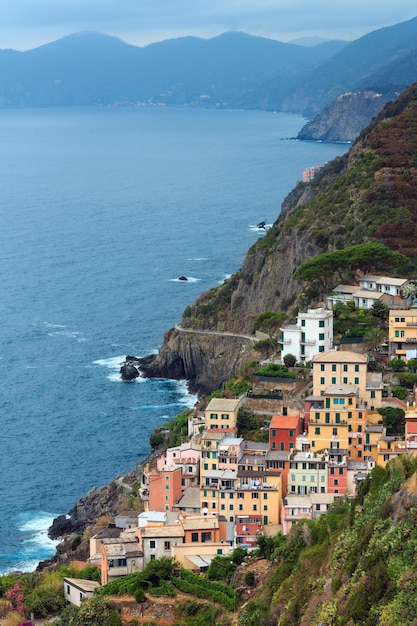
{"points": [[374, 337]]}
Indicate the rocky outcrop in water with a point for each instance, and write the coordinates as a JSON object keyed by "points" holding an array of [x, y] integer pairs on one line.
{"points": [[129, 369]]}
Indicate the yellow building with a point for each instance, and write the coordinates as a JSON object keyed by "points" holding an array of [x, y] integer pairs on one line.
{"points": [[221, 414], [402, 333], [342, 367], [337, 421]]}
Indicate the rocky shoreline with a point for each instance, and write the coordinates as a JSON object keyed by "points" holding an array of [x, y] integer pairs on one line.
{"points": [[98, 502]]}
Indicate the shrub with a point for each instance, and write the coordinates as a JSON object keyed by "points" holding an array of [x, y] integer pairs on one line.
{"points": [[290, 360]]}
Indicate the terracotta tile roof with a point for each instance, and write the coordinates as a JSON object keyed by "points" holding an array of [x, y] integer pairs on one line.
{"points": [[285, 421]]}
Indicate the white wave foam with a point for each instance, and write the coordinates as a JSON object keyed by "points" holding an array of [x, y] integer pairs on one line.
{"points": [[36, 546], [68, 334], [255, 228], [225, 277], [50, 325], [198, 258], [35, 521], [111, 363], [187, 399]]}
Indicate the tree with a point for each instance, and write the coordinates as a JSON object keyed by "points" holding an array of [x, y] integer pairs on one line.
{"points": [[397, 364], [399, 392], [407, 379], [270, 322], [374, 337], [393, 419], [290, 360], [380, 310]]}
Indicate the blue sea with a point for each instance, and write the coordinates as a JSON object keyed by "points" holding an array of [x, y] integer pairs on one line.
{"points": [[102, 209]]}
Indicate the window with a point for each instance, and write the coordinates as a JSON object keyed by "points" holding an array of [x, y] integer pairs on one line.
{"points": [[153, 557], [265, 496], [231, 507], [166, 486], [321, 348], [356, 380], [219, 550], [341, 471], [205, 536], [273, 432], [322, 380], [333, 380], [255, 496], [205, 466], [345, 368], [356, 368], [222, 507], [336, 481], [345, 380], [321, 323], [254, 507], [334, 367], [373, 394], [321, 336], [303, 322], [240, 507], [152, 544], [291, 434], [194, 537], [317, 430], [265, 507], [322, 367], [167, 545]]}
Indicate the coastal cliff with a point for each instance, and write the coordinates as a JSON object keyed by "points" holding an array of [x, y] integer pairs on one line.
{"points": [[366, 195], [344, 119]]}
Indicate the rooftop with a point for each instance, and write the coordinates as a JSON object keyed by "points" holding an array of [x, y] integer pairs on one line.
{"points": [[223, 404], [340, 356], [284, 421]]}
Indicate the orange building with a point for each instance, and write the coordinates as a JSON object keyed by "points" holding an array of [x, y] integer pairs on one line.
{"points": [[165, 488]]}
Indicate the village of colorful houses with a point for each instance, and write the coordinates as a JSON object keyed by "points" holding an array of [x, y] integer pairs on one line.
{"points": [[216, 491]]}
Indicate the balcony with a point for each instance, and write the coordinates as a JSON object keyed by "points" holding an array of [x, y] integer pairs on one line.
{"points": [[308, 342]]}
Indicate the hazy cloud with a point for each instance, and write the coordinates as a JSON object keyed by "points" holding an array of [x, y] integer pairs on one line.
{"points": [[25, 23]]}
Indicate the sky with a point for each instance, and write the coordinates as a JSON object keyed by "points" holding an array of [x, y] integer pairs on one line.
{"points": [[27, 24]]}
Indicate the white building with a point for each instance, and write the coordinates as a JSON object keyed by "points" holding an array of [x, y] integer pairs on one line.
{"points": [[77, 589], [311, 335]]}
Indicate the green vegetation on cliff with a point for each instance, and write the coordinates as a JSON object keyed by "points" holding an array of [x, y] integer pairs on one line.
{"points": [[354, 565], [365, 197]]}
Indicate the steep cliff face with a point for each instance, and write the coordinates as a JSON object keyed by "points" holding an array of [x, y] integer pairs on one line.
{"points": [[344, 119], [366, 195], [205, 360]]}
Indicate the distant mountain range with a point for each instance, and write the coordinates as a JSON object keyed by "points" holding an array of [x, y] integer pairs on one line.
{"points": [[231, 70], [95, 69]]}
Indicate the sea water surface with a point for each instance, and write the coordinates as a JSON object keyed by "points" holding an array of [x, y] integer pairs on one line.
{"points": [[101, 211]]}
